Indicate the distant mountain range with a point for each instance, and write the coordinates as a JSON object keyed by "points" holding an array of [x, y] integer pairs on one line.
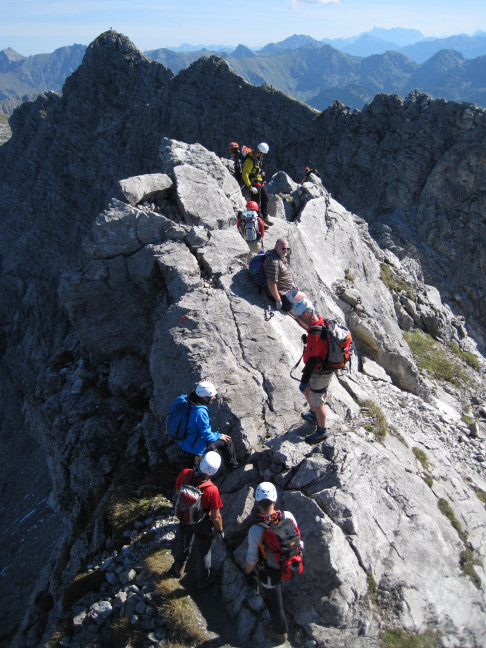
{"points": [[351, 70]]}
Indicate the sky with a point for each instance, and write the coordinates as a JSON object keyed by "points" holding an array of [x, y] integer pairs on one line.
{"points": [[41, 26]]}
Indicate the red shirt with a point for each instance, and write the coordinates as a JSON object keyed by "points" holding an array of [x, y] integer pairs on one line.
{"points": [[210, 498], [315, 346]]}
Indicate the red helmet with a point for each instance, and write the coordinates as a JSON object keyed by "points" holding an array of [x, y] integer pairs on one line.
{"points": [[234, 146], [251, 204]]}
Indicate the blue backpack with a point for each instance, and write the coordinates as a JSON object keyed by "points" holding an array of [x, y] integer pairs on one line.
{"points": [[177, 418], [256, 269]]}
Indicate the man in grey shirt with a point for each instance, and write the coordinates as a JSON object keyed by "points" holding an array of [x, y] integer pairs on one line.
{"points": [[279, 278]]}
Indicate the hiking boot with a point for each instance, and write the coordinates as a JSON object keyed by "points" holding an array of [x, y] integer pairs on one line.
{"points": [[309, 416], [320, 434], [278, 636], [178, 569], [267, 221], [206, 582]]}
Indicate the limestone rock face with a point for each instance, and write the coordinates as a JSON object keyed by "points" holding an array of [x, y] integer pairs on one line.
{"points": [[124, 281]]}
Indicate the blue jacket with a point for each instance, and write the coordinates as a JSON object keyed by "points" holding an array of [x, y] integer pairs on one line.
{"points": [[198, 430]]}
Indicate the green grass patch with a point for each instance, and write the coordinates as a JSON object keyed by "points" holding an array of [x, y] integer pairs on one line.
{"points": [[122, 633], [429, 481], [421, 457], [466, 356], [176, 605], [480, 494], [397, 435], [378, 424], [371, 582], [392, 282], [446, 510], [348, 276], [467, 561], [398, 638], [431, 357]]}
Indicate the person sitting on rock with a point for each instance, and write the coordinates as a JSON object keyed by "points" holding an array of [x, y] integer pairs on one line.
{"points": [[315, 380], [307, 172], [197, 436], [253, 180], [203, 530], [260, 552], [279, 278], [251, 227]]}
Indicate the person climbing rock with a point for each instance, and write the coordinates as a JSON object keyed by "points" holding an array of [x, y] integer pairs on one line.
{"points": [[315, 378], [188, 423], [307, 172], [238, 155], [279, 278], [208, 504], [253, 180], [274, 555], [251, 227]]}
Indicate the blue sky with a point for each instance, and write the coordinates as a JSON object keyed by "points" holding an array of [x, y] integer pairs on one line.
{"points": [[38, 26]]}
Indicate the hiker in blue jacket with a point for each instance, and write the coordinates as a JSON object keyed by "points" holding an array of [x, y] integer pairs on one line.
{"points": [[197, 437]]}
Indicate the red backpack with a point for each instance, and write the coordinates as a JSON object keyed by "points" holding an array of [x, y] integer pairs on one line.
{"points": [[280, 548], [188, 506], [331, 342]]}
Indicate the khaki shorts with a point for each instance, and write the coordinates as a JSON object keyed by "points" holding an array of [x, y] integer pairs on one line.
{"points": [[318, 384]]}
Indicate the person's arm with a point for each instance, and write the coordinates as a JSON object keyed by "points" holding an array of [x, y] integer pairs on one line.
{"points": [[254, 537], [217, 520], [246, 170], [272, 287], [204, 427]]}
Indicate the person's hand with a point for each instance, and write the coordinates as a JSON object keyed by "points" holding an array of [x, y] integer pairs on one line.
{"points": [[278, 305], [250, 579], [302, 387], [253, 190], [225, 437]]}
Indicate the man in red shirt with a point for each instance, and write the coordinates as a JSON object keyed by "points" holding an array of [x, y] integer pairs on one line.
{"points": [[203, 530], [315, 379]]}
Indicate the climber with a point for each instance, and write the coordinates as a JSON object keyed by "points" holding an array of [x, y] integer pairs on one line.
{"points": [[271, 557], [203, 530], [279, 279], [188, 422], [253, 179], [315, 380], [307, 172], [251, 227]]}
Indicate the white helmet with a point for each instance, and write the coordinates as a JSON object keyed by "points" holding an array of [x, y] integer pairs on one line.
{"points": [[210, 463], [206, 388], [303, 306], [266, 491], [263, 148]]}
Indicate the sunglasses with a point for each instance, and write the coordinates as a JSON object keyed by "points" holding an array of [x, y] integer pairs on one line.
{"points": [[284, 248]]}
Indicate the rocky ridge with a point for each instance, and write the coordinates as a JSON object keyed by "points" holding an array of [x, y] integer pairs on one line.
{"points": [[93, 390], [164, 285]]}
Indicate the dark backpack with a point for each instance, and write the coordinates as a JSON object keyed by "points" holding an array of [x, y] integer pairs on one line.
{"points": [[255, 267], [339, 341], [188, 506], [177, 418], [280, 549]]}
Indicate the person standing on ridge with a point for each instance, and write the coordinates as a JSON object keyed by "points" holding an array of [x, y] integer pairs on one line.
{"points": [[253, 179], [275, 535], [203, 530], [188, 422], [251, 227], [315, 379]]}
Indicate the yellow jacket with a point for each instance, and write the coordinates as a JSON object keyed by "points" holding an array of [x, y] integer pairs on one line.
{"points": [[251, 171]]}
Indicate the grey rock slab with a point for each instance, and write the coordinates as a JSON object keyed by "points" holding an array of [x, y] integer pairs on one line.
{"points": [[143, 187]]}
